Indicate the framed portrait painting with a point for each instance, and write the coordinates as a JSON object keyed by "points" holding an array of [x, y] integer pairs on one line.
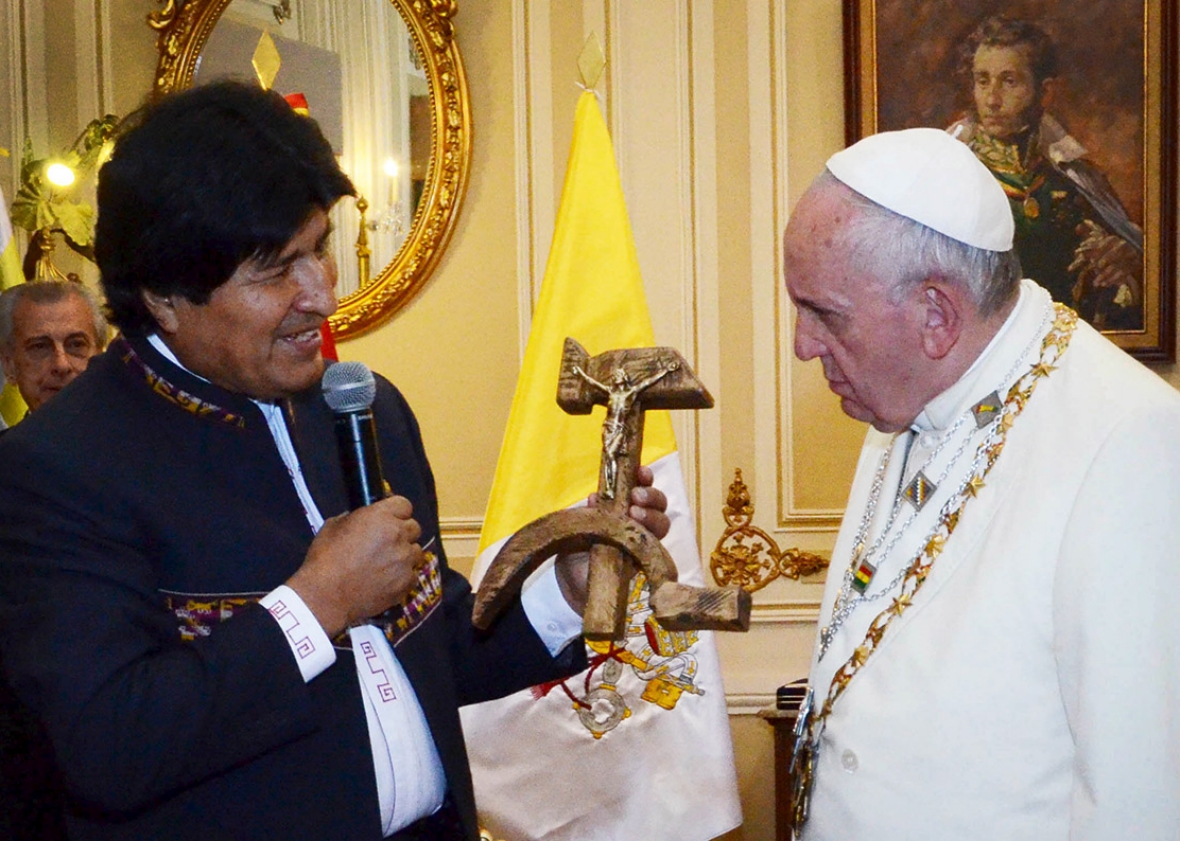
{"points": [[1072, 106]]}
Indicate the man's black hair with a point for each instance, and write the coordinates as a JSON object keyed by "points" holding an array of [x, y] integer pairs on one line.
{"points": [[199, 182], [1001, 31]]}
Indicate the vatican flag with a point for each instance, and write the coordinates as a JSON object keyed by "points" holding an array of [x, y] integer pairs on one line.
{"points": [[12, 408], [638, 746]]}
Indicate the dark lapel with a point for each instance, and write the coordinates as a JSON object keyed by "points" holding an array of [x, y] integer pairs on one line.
{"points": [[311, 424]]}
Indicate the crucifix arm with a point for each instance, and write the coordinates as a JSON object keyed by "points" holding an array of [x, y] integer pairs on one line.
{"points": [[577, 369], [668, 368]]}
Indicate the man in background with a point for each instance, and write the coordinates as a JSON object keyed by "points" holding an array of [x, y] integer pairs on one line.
{"points": [[1073, 235], [49, 330], [996, 655]]}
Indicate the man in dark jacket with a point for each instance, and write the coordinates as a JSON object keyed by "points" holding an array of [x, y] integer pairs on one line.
{"points": [[218, 650]]}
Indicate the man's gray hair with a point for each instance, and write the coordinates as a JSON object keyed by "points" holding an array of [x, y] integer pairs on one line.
{"points": [[48, 292], [902, 252]]}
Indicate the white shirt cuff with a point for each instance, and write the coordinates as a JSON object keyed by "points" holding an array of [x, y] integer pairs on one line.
{"points": [[312, 649], [556, 623]]}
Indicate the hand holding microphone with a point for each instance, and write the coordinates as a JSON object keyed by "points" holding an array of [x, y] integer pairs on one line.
{"points": [[364, 562]]}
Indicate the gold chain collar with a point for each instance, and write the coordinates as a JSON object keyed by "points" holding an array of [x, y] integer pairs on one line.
{"points": [[1052, 348]]}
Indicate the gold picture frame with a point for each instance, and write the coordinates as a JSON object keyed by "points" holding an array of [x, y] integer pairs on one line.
{"points": [[908, 63], [184, 29]]}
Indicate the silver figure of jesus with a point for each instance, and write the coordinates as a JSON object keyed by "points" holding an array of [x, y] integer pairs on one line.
{"points": [[621, 394]]}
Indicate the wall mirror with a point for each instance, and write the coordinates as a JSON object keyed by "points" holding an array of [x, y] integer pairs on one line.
{"points": [[385, 81]]}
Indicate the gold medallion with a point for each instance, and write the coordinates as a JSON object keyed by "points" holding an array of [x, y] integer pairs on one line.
{"points": [[1032, 209]]}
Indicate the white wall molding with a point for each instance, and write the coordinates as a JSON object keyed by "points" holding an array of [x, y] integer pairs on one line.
{"points": [[705, 324], [785, 613], [11, 95], [748, 703], [34, 102], [764, 185], [89, 60], [536, 192], [460, 535], [769, 131]]}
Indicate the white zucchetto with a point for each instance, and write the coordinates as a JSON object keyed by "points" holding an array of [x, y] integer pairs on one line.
{"points": [[926, 175]]}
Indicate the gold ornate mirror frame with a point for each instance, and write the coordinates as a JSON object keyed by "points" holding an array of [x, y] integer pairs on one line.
{"points": [[184, 30]]}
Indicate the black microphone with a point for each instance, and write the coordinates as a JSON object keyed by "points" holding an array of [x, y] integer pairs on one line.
{"points": [[349, 389]]}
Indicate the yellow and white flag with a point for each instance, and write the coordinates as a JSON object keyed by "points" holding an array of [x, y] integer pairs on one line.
{"points": [[12, 408], [638, 746]]}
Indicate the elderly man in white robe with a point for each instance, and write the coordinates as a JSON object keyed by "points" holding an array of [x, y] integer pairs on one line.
{"points": [[999, 649]]}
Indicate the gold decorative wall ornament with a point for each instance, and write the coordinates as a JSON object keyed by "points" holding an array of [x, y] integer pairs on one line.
{"points": [[185, 29], [47, 201], [749, 557]]}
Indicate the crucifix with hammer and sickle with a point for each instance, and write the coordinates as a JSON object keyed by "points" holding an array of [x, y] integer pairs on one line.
{"points": [[628, 382]]}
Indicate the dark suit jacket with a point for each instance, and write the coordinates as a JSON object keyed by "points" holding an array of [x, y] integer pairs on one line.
{"points": [[31, 796], [143, 506]]}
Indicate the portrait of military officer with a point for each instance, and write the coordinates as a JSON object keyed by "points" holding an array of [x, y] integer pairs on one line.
{"points": [[1073, 234]]}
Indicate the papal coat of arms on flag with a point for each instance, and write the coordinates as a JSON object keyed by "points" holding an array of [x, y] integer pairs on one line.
{"points": [[664, 661]]}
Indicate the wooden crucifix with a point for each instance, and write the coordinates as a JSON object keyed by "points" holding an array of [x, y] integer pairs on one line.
{"points": [[628, 382]]}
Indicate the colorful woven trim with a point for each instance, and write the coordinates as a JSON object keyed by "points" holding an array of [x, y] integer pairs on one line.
{"points": [[399, 622], [198, 613], [174, 394]]}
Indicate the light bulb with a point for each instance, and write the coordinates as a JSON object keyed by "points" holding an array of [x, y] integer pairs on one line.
{"points": [[59, 175], [391, 168]]}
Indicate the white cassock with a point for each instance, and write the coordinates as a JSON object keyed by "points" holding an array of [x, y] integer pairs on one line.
{"points": [[1032, 690]]}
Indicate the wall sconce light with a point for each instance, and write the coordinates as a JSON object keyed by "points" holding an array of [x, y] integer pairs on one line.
{"points": [[59, 175]]}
